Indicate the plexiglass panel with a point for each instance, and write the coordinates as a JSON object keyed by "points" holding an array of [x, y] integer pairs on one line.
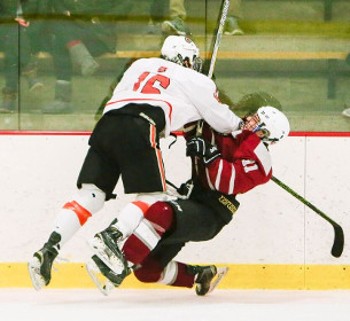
{"points": [[59, 60]]}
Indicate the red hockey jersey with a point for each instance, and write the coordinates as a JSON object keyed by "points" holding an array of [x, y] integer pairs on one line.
{"points": [[245, 162]]}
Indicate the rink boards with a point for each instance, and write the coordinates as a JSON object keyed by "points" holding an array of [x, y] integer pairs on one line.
{"points": [[273, 242]]}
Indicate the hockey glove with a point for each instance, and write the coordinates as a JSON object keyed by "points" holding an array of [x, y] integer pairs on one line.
{"points": [[186, 189], [199, 147]]}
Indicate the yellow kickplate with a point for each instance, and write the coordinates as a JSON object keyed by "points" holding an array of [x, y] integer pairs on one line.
{"points": [[239, 276]]}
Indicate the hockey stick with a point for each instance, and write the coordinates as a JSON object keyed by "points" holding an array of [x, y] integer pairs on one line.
{"points": [[171, 184], [220, 31], [338, 244]]}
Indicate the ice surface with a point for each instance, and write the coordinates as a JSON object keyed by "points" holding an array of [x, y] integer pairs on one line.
{"points": [[173, 305]]}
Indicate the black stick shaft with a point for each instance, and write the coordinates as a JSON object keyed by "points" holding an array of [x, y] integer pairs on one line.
{"points": [[302, 199], [338, 245]]}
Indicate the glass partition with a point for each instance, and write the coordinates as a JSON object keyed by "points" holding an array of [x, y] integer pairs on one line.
{"points": [[60, 60]]}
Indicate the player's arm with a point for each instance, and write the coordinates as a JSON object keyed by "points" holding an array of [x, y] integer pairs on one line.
{"points": [[230, 177], [205, 97], [233, 178]]}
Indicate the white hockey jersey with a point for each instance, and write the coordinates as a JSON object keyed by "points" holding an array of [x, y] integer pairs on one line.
{"points": [[184, 94]]}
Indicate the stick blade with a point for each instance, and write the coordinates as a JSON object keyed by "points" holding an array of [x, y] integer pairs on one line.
{"points": [[338, 244]]}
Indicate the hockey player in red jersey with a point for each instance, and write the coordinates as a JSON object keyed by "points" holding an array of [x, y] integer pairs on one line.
{"points": [[224, 166], [155, 96]]}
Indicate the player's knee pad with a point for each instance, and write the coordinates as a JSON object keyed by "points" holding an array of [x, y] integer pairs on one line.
{"points": [[161, 215], [91, 198], [149, 272]]}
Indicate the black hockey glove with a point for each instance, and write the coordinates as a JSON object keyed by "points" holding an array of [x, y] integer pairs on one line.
{"points": [[199, 147], [185, 189]]}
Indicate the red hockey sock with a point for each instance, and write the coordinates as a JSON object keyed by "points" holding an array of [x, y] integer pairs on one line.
{"points": [[157, 220], [177, 273], [183, 278]]}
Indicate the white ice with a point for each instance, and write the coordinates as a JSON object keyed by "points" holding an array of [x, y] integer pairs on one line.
{"points": [[173, 305]]}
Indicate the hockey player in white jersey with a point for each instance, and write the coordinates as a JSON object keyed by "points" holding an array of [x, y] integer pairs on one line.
{"points": [[155, 96]]}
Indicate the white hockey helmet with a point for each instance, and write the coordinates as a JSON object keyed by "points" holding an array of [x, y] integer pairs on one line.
{"points": [[183, 51], [274, 123]]}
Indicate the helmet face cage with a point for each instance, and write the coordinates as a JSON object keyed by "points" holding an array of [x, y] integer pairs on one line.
{"points": [[197, 64], [252, 122], [273, 123], [182, 50]]}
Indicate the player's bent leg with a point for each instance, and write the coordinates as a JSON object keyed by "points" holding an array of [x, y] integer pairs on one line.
{"points": [[131, 215], [88, 200], [150, 271], [105, 243], [75, 213], [157, 220], [205, 278], [173, 274]]}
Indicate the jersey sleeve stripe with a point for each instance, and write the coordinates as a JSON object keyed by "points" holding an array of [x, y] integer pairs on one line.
{"points": [[218, 176], [232, 180]]}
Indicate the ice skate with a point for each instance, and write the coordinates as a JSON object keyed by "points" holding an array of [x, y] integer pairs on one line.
{"points": [[103, 277], [41, 264], [40, 267], [208, 278], [105, 246]]}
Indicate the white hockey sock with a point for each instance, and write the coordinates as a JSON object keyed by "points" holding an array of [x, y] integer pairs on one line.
{"points": [[170, 273], [130, 217], [66, 224]]}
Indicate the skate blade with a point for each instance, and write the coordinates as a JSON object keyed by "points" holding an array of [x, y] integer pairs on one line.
{"points": [[35, 276], [102, 283], [221, 272], [106, 255]]}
